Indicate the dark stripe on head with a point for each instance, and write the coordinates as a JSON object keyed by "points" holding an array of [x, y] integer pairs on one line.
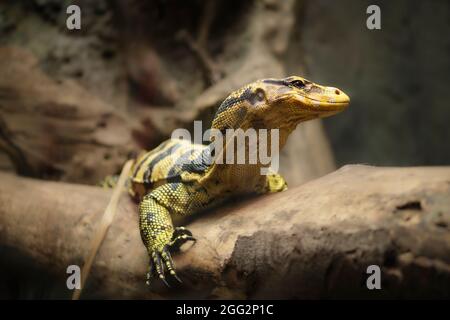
{"points": [[230, 101], [276, 82]]}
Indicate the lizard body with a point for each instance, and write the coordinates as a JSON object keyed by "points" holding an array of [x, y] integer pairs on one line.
{"points": [[176, 179]]}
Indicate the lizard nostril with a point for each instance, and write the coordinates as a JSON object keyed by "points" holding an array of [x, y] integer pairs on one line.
{"points": [[337, 92]]}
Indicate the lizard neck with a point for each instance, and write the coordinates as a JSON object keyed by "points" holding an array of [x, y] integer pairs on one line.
{"points": [[230, 171]]}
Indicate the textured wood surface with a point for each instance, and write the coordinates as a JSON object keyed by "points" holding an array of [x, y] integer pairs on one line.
{"points": [[312, 241]]}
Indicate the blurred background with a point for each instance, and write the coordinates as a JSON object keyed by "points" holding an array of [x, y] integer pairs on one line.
{"points": [[75, 104]]}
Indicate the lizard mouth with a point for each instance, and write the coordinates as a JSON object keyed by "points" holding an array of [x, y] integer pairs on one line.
{"points": [[328, 106], [328, 100], [318, 105], [328, 103]]}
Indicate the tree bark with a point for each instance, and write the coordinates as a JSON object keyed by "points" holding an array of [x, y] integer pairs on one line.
{"points": [[312, 241]]}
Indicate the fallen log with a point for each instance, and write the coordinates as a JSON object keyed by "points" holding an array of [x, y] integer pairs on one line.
{"points": [[313, 241]]}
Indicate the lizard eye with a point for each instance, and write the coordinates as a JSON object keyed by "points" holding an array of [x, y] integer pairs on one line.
{"points": [[298, 84]]}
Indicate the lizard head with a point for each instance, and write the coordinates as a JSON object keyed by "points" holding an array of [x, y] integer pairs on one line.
{"points": [[279, 103]]}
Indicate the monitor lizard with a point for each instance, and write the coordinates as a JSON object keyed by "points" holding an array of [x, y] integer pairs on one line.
{"points": [[175, 178]]}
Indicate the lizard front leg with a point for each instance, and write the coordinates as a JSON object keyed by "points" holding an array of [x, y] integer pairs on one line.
{"points": [[157, 230]]}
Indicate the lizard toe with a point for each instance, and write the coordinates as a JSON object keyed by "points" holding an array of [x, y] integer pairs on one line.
{"points": [[179, 240], [179, 231], [157, 263]]}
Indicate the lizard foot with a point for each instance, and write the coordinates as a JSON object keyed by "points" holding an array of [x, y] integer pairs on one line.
{"points": [[161, 260]]}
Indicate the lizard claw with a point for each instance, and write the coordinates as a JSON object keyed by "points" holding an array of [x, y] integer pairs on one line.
{"points": [[180, 236], [161, 276], [176, 277], [179, 231], [161, 261]]}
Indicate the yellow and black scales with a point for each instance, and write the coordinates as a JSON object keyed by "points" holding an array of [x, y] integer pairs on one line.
{"points": [[178, 178]]}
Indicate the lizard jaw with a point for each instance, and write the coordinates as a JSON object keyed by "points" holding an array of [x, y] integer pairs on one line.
{"points": [[330, 102]]}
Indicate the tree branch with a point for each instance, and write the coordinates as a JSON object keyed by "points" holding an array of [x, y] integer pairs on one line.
{"points": [[312, 241]]}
